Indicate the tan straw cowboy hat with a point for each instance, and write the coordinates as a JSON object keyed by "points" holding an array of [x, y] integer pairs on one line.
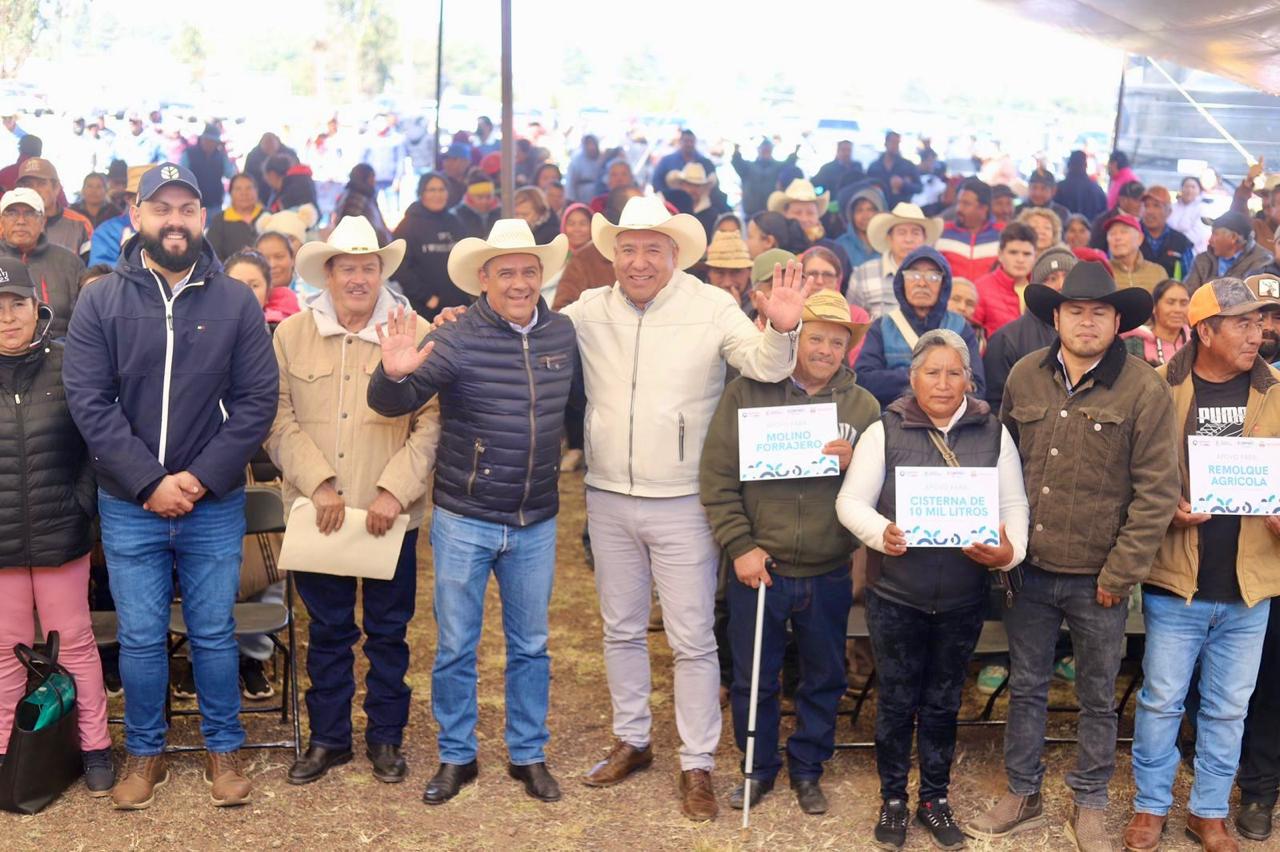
{"points": [[353, 235], [508, 236]]}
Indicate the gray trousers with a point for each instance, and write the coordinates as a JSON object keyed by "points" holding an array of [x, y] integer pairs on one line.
{"points": [[639, 542]]}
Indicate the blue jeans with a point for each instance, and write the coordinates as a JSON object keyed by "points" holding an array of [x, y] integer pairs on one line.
{"points": [[1045, 600], [1226, 639], [332, 634], [818, 608], [142, 550], [466, 551]]}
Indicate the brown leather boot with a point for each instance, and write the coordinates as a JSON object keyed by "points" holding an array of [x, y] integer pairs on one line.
{"points": [[621, 761], [1143, 833], [1211, 834], [139, 779], [698, 795], [1010, 815], [1087, 829], [229, 785]]}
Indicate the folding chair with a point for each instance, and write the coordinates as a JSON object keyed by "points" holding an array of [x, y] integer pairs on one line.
{"points": [[264, 514]]}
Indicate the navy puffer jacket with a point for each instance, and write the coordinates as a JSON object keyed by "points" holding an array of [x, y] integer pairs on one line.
{"points": [[502, 400], [46, 487]]}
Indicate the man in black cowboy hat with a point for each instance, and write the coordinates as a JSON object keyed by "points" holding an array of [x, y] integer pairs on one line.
{"points": [[1096, 432]]}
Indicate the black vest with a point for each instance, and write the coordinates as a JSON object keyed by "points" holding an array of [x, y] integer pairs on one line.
{"points": [[931, 579]]}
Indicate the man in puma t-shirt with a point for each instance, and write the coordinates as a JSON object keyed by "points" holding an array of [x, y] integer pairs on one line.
{"points": [[1208, 595]]}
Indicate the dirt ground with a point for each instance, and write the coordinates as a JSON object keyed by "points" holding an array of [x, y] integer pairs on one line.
{"points": [[349, 809]]}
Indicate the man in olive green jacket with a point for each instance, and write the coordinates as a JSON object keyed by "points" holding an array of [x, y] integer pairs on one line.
{"points": [[1208, 596], [784, 533]]}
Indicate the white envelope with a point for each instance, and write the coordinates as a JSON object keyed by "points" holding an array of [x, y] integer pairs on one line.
{"points": [[348, 552]]}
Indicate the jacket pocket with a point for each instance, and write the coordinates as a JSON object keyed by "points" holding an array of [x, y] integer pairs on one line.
{"points": [[554, 361], [311, 391], [477, 455]]}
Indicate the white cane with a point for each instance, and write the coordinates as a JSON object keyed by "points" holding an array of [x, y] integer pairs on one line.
{"points": [[751, 708]]}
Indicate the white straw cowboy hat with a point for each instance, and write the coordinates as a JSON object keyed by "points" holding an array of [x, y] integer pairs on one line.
{"points": [[648, 213], [353, 235], [798, 190], [903, 213], [509, 236], [694, 173]]}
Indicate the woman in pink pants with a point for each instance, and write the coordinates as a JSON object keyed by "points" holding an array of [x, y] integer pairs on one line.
{"points": [[46, 505]]}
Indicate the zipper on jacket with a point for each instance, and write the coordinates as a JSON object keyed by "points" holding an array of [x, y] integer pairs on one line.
{"points": [[168, 361], [475, 466], [24, 489], [681, 437], [533, 427], [631, 419]]}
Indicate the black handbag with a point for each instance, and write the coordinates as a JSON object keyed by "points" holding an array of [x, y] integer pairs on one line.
{"points": [[44, 756]]}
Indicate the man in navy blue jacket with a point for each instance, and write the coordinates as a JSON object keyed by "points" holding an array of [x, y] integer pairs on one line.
{"points": [[503, 373], [172, 381]]}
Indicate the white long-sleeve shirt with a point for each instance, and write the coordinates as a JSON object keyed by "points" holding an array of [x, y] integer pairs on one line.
{"points": [[856, 503]]}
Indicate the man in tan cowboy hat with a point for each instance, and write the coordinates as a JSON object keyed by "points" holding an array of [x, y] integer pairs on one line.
{"points": [[708, 203], [801, 202], [339, 454], [503, 374], [729, 267], [894, 235], [806, 567], [654, 349]]}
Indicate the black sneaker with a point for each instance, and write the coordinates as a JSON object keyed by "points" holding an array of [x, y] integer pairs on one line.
{"points": [[891, 828], [254, 683], [99, 774], [937, 817], [185, 686]]}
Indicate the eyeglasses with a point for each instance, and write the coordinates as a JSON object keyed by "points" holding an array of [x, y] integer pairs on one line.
{"points": [[822, 276], [13, 214], [912, 276]]}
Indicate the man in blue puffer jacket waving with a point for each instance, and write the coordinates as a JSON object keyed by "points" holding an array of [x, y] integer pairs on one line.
{"points": [[171, 380], [503, 374]]}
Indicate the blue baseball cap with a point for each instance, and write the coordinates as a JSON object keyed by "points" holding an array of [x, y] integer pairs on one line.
{"points": [[163, 175], [458, 149]]}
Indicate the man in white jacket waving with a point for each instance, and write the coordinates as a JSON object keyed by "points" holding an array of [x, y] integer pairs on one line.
{"points": [[654, 348]]}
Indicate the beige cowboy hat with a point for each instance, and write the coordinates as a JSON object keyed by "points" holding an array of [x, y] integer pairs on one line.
{"points": [[648, 213], [830, 306], [903, 213], [353, 235], [693, 173], [798, 190], [508, 236], [728, 251]]}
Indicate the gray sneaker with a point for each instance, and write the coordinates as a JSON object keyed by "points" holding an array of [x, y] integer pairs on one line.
{"points": [[1010, 815], [1088, 830]]}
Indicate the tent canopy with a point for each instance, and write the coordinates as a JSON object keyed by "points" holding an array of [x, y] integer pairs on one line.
{"points": [[1238, 39]]}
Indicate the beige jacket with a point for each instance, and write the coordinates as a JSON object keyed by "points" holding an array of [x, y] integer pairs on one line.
{"points": [[1177, 563], [653, 379], [324, 428]]}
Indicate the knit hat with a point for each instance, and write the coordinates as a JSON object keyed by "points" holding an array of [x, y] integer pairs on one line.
{"points": [[728, 251], [762, 267], [1054, 259]]}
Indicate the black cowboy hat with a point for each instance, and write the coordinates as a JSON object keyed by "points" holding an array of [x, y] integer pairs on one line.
{"points": [[1090, 282]]}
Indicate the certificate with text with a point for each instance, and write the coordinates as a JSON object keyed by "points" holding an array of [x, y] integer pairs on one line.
{"points": [[786, 441], [948, 506], [1234, 476]]}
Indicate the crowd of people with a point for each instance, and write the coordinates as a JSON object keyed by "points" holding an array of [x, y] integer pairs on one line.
{"points": [[449, 367]]}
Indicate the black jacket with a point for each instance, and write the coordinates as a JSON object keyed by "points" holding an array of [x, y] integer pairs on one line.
{"points": [[1078, 193], [475, 224], [502, 400], [160, 384], [46, 488], [938, 579], [1011, 341], [428, 239]]}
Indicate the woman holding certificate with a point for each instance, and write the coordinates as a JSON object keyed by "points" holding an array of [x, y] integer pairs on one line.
{"points": [[926, 601]]}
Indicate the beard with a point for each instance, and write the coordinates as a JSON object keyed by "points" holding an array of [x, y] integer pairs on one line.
{"points": [[1270, 347], [165, 259]]}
